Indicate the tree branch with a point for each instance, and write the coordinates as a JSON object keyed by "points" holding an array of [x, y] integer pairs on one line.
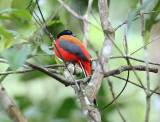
{"points": [[86, 23], [125, 68], [70, 10], [156, 38], [143, 33], [47, 71], [130, 57], [152, 91], [115, 101], [95, 82], [10, 108], [91, 113]]}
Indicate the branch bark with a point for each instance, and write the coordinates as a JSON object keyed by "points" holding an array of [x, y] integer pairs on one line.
{"points": [[86, 23], [148, 96], [91, 114], [10, 108], [50, 72], [125, 68], [97, 77]]}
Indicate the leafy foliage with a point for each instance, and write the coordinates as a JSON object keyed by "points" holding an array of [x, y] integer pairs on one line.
{"points": [[16, 56], [132, 15], [23, 13], [46, 49], [152, 19], [43, 99]]}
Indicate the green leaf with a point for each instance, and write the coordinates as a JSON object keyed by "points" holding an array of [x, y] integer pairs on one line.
{"points": [[8, 43], [2, 44], [46, 49], [8, 18], [5, 43], [14, 33], [8, 33], [59, 61], [7, 38], [132, 15], [152, 19], [4, 33], [16, 56], [23, 102], [23, 13], [147, 37], [53, 22], [30, 4]]}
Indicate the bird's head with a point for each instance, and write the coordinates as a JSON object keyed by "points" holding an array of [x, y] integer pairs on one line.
{"points": [[65, 32]]}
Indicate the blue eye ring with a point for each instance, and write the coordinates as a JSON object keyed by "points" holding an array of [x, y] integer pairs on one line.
{"points": [[73, 35]]}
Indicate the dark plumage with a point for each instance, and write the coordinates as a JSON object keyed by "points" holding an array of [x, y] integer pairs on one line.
{"points": [[73, 48]]}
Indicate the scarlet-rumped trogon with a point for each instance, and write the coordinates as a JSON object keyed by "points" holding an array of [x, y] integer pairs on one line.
{"points": [[72, 49]]}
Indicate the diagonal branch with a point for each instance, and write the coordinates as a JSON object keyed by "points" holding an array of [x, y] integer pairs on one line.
{"points": [[66, 83], [10, 108], [52, 38], [152, 91], [130, 57], [70, 10], [155, 39], [115, 101]]}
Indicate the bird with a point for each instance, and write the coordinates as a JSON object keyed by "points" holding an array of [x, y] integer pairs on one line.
{"points": [[73, 50]]}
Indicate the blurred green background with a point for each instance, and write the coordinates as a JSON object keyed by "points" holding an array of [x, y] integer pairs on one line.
{"points": [[43, 99]]}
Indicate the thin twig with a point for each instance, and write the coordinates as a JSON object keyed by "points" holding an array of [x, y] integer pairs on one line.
{"points": [[29, 70], [53, 40], [115, 101], [95, 82], [66, 83], [125, 23], [86, 23], [137, 17], [40, 11], [75, 14], [156, 38], [70, 10], [48, 20], [143, 33], [136, 59], [152, 91]]}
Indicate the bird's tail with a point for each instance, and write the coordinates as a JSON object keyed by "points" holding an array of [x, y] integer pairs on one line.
{"points": [[95, 102], [86, 74]]}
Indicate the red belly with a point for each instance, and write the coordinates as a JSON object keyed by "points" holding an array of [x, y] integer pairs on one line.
{"points": [[72, 57]]}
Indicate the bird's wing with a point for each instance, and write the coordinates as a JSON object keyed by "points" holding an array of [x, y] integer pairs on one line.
{"points": [[73, 48]]}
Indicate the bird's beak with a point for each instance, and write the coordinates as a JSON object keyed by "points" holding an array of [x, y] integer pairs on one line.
{"points": [[73, 35]]}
